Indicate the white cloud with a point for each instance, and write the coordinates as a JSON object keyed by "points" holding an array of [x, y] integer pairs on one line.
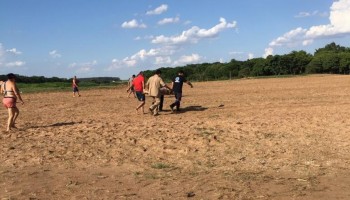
{"points": [[339, 26], [241, 55], [163, 60], [191, 59], [311, 14], [54, 54], [290, 38], [133, 24], [250, 56], [236, 52], [268, 52], [15, 64], [118, 64], [169, 21], [84, 67], [168, 46], [150, 57], [5, 57], [194, 34], [187, 22], [14, 51], [159, 10], [137, 38]]}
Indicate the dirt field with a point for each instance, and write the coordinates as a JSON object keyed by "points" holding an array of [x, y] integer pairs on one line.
{"points": [[246, 139]]}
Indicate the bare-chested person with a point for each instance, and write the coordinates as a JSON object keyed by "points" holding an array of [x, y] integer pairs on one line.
{"points": [[130, 86], [75, 86], [11, 94]]}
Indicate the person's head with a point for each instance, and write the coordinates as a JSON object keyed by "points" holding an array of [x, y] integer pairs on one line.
{"points": [[158, 72], [11, 77], [141, 73], [133, 75], [75, 77], [181, 73]]}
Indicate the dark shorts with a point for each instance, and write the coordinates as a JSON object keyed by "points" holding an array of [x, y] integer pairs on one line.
{"points": [[75, 89], [140, 96]]}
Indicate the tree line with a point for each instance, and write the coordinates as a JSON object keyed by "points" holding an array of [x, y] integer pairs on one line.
{"points": [[332, 58], [42, 79]]}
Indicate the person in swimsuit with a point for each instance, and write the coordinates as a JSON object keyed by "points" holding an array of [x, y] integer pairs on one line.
{"points": [[75, 86], [11, 94]]}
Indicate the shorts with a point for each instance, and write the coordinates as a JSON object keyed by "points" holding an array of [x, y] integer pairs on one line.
{"points": [[75, 89], [140, 96], [9, 102]]}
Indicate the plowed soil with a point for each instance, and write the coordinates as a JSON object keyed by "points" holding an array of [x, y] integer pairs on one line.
{"points": [[281, 138]]}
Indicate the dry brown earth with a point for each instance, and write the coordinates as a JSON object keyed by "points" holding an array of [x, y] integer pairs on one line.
{"points": [[283, 138]]}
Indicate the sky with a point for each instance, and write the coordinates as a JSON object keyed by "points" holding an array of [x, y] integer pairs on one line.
{"points": [[119, 38]]}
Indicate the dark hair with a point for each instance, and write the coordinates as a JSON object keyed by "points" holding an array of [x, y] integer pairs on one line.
{"points": [[158, 71], [133, 75], [181, 72], [11, 76]]}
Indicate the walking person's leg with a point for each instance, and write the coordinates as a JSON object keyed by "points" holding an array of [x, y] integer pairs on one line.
{"points": [[11, 113], [15, 115], [178, 101], [154, 107], [161, 103]]}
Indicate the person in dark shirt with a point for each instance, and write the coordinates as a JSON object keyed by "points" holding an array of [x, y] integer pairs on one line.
{"points": [[177, 84]]}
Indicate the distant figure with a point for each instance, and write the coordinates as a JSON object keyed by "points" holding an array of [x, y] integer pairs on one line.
{"points": [[177, 84], [75, 86], [153, 85], [139, 85], [11, 94], [1, 82], [130, 86]]}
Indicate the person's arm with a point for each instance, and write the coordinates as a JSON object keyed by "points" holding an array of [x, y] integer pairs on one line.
{"points": [[17, 93], [130, 86], [189, 83], [147, 84], [164, 85]]}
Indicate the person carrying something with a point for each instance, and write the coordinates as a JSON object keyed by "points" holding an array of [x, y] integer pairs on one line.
{"points": [[139, 85], [11, 94], [177, 84], [153, 85]]}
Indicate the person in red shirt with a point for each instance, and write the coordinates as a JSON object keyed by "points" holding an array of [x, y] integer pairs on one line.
{"points": [[139, 84]]}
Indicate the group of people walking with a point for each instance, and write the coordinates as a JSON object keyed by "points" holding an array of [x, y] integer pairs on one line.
{"points": [[155, 88]]}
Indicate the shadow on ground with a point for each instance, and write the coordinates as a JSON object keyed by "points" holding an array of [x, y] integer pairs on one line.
{"points": [[56, 124]]}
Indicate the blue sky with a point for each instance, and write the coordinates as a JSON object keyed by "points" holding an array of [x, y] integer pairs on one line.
{"points": [[121, 37]]}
